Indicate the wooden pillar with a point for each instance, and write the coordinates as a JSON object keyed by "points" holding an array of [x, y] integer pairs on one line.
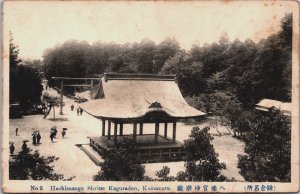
{"points": [[166, 130], [141, 128], [149, 153], [109, 127], [103, 127], [61, 96], [121, 128], [134, 131], [174, 131], [156, 132], [115, 131], [92, 83]]}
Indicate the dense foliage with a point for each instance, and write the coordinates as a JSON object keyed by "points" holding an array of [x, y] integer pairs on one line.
{"points": [[163, 174], [201, 160], [80, 59], [35, 64], [27, 166], [25, 82], [268, 148], [120, 163], [247, 71]]}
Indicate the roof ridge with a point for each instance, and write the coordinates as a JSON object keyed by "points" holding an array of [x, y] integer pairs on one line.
{"points": [[140, 76]]}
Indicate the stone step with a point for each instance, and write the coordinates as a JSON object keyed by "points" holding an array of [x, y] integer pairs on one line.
{"points": [[93, 155]]}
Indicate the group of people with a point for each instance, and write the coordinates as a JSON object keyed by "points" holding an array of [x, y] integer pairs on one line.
{"points": [[12, 147], [79, 110], [53, 133], [36, 138]]}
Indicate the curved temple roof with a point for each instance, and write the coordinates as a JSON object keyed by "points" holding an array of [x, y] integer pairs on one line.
{"points": [[128, 96], [266, 104]]}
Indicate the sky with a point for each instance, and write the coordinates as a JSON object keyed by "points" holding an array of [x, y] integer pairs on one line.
{"points": [[38, 25]]}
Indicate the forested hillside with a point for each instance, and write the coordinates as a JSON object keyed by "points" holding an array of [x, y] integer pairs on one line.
{"points": [[227, 69]]}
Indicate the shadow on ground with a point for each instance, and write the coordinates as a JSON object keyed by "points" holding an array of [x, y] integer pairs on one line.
{"points": [[58, 119]]}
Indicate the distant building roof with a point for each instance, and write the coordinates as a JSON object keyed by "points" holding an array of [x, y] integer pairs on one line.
{"points": [[267, 104], [129, 96]]}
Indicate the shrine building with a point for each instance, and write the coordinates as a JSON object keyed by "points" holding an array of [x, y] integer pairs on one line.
{"points": [[135, 100]]}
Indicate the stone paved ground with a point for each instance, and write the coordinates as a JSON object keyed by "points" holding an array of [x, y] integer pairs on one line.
{"points": [[74, 162]]}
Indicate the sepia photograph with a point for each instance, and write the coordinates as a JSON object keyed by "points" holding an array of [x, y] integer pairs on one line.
{"points": [[150, 96]]}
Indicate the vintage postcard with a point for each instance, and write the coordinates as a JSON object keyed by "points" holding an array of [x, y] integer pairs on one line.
{"points": [[150, 96]]}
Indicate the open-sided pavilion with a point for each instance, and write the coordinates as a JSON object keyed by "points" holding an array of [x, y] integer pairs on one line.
{"points": [[137, 99]]}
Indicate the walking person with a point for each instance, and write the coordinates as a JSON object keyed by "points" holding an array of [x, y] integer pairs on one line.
{"points": [[34, 138], [72, 107], [81, 110], [55, 132], [78, 111], [12, 148], [17, 129], [63, 133], [38, 138], [51, 137], [52, 133]]}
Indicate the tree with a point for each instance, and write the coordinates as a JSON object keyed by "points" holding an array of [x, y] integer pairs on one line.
{"points": [[267, 68], [145, 56], [29, 84], [96, 59], [36, 64], [286, 31], [164, 51], [13, 62], [268, 149], [163, 174], [26, 166], [189, 73], [120, 163], [66, 60], [242, 122], [125, 60], [269, 75], [219, 103], [13, 53], [25, 82], [52, 101], [285, 85], [226, 105], [201, 160]]}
